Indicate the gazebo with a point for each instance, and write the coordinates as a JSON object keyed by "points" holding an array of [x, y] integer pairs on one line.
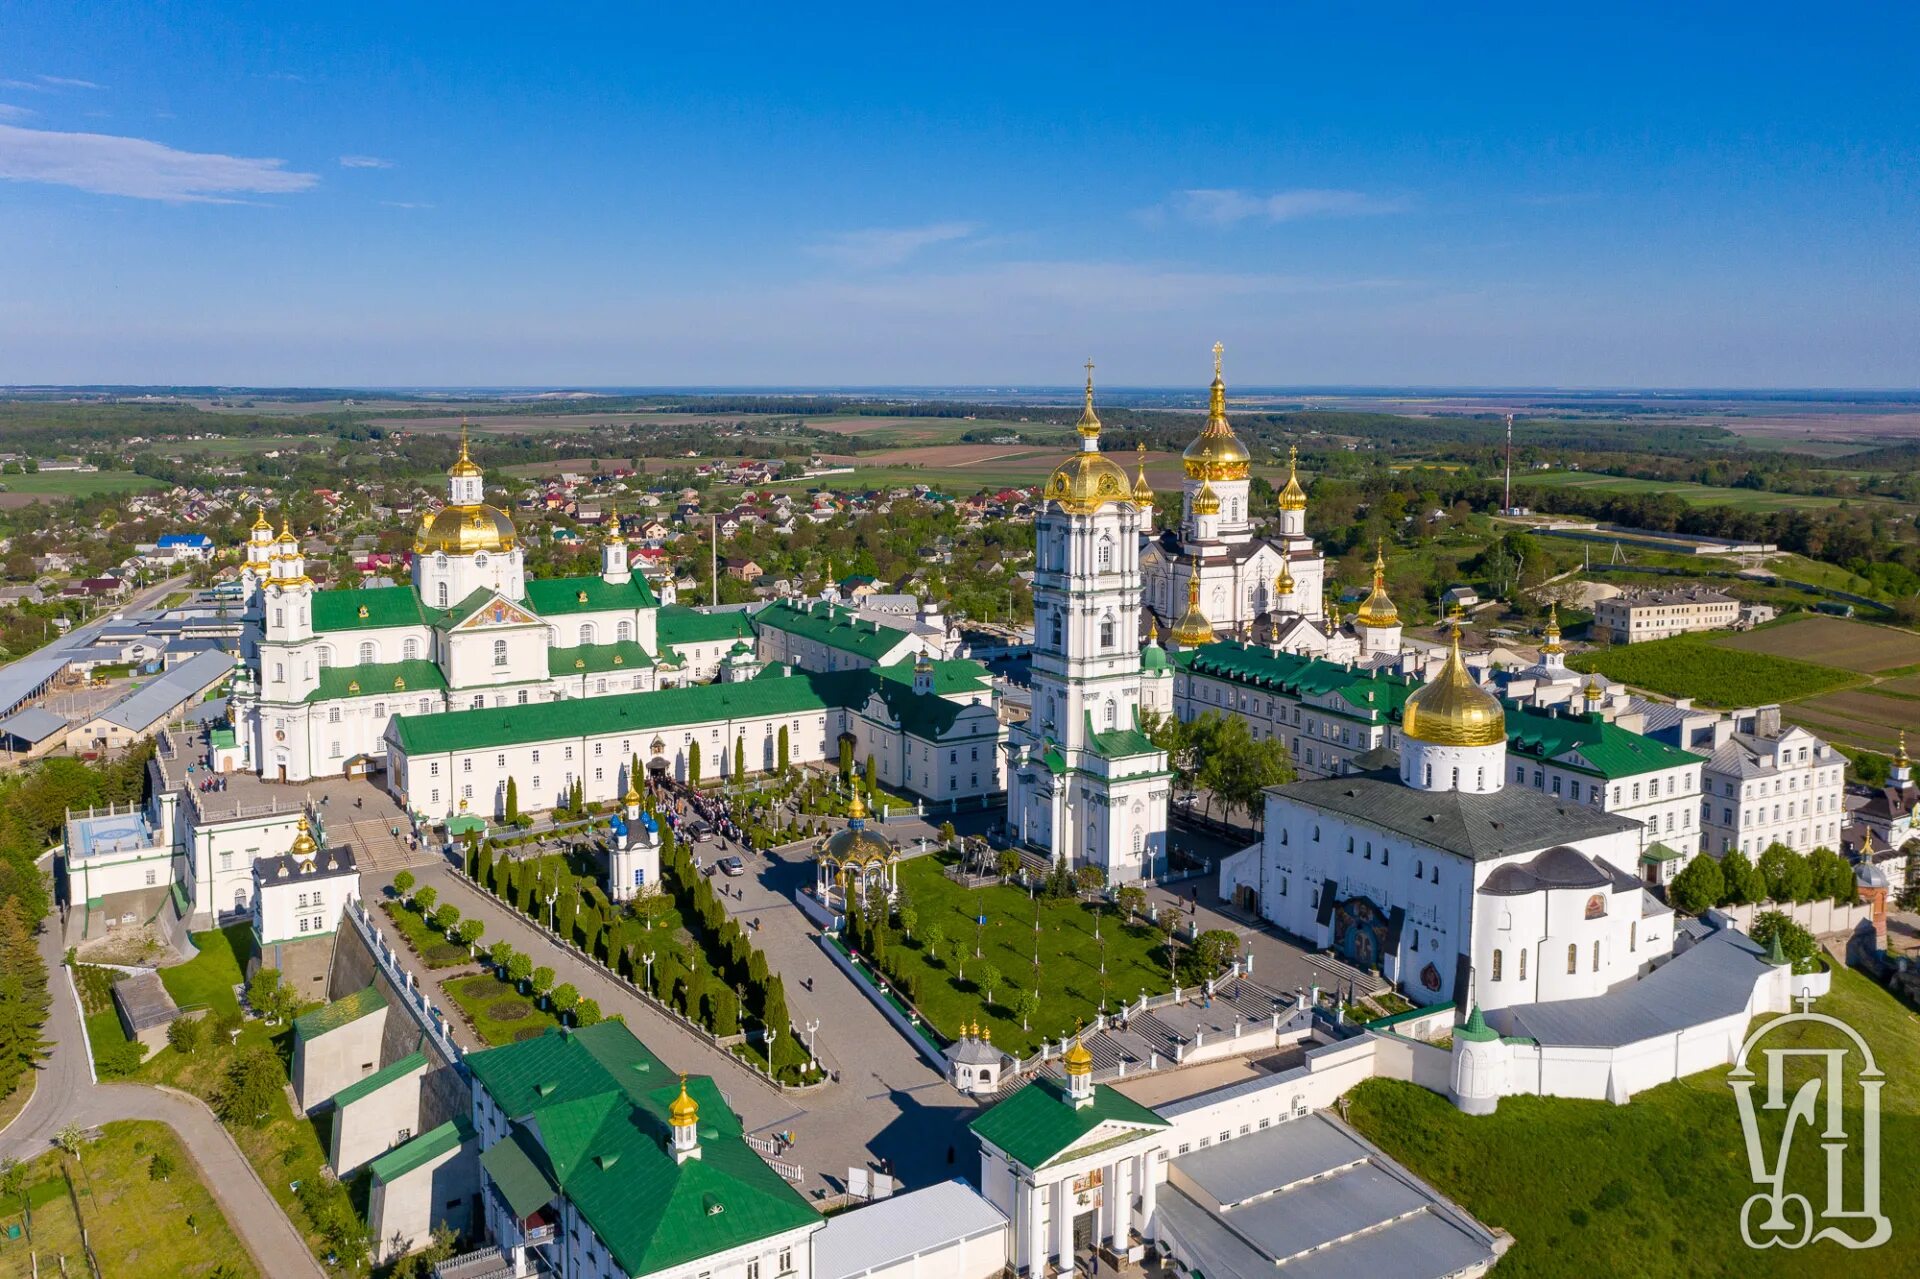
{"points": [[856, 861]]}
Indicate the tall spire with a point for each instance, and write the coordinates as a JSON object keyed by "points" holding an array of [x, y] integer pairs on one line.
{"points": [[1194, 629], [1142, 491], [465, 465], [1378, 609], [1553, 644], [1293, 497], [1217, 453], [1217, 394], [1089, 424]]}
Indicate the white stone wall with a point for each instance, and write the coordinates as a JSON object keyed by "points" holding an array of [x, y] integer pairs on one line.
{"points": [[292, 909], [324, 1065], [376, 1123], [402, 1214]]}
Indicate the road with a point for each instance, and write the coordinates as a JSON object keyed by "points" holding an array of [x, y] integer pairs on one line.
{"points": [[65, 1093]]}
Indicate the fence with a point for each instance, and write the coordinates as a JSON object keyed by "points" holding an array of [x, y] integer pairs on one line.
{"points": [[431, 1019]]}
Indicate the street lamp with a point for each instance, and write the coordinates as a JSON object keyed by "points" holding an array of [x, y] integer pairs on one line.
{"points": [[813, 1063], [647, 959], [771, 1035], [551, 895]]}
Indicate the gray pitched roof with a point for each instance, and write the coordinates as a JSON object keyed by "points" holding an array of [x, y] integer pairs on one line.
{"points": [[898, 1229], [1481, 828], [34, 724], [1711, 979]]}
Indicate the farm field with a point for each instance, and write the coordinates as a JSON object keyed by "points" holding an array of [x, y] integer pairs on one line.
{"points": [[1654, 1188], [1693, 494], [23, 490], [1695, 666], [1833, 641], [1860, 718], [137, 1225]]}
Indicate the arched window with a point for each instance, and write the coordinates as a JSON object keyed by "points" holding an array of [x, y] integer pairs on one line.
{"points": [[1596, 954], [441, 596], [499, 652], [1106, 632], [1112, 715], [410, 649], [325, 655], [1633, 935], [1597, 906], [333, 714], [1573, 959], [369, 654], [1103, 558], [1057, 640], [624, 632], [1521, 972], [1433, 875], [586, 633], [440, 560], [1350, 843], [1496, 965]]}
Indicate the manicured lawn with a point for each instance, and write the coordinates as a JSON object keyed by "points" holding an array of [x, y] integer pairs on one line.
{"points": [[500, 1014], [137, 1226], [207, 980], [1069, 980], [1655, 1187], [1694, 666]]}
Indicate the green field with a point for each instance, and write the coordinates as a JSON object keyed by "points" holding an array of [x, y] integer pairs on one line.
{"points": [[1692, 494], [63, 484], [1655, 1187], [1695, 666], [136, 1225], [1070, 984]]}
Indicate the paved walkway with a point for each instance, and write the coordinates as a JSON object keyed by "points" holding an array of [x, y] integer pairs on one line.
{"points": [[65, 1093]]}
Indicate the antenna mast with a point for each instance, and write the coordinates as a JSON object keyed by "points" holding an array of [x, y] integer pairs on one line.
{"points": [[713, 544], [1509, 463]]}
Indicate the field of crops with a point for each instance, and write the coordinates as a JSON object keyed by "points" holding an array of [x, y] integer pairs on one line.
{"points": [[1833, 641], [1695, 666], [1693, 494], [55, 485]]}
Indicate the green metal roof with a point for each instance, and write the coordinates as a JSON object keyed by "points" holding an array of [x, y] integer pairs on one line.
{"points": [[678, 624], [362, 1088], [377, 679], [926, 715], [422, 1150], [835, 627], [341, 1012], [1123, 743], [1657, 852], [554, 596], [1475, 1028], [590, 1123], [591, 659], [385, 606], [1589, 743], [1037, 1124]]}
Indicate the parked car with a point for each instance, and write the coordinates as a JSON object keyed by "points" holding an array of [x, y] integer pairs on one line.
{"points": [[731, 866], [699, 832]]}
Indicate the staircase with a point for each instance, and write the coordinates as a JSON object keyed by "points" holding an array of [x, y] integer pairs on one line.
{"points": [[375, 846]]}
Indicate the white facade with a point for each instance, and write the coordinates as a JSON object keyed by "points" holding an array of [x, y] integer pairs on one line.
{"points": [[1786, 787]]}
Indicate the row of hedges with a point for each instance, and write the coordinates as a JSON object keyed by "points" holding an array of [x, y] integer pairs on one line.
{"points": [[1779, 875]]}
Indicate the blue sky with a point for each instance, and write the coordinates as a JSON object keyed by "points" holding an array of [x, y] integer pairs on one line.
{"points": [[408, 194]]}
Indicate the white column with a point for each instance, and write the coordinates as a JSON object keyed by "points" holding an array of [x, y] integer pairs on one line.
{"points": [[1063, 1207], [1036, 1237], [1119, 1205], [1147, 1159]]}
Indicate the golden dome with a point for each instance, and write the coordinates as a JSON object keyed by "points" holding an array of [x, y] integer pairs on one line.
{"points": [[684, 1112], [1553, 644], [286, 537], [1377, 609], [466, 465], [1206, 501], [1901, 759], [856, 844], [462, 530], [1293, 497], [1088, 480], [1142, 491], [1452, 710], [1194, 629], [1217, 453], [633, 792], [303, 845], [1078, 1061], [1284, 584], [260, 520], [1593, 692]]}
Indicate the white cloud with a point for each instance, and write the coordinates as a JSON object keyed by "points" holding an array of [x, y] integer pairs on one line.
{"points": [[364, 162], [879, 247], [109, 165], [406, 204], [10, 112], [68, 82], [1226, 206]]}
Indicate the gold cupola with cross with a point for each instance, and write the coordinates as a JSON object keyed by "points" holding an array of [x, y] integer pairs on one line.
{"points": [[1089, 479]]}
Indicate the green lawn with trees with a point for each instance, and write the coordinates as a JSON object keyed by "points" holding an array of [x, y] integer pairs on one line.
{"points": [[147, 1213], [1654, 1188], [956, 970]]}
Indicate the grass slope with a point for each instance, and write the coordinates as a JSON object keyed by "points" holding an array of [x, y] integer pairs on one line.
{"points": [[1655, 1187], [1694, 666]]}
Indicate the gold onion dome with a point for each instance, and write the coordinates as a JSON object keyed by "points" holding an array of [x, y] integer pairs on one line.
{"points": [[1453, 710], [465, 466], [303, 845], [856, 843], [1901, 758], [1078, 1061], [1217, 453], [1377, 609], [462, 529], [1553, 644], [286, 537], [1293, 497], [1089, 479], [684, 1112], [1593, 691], [1194, 629], [1284, 584], [260, 520], [1206, 501], [1142, 491]]}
